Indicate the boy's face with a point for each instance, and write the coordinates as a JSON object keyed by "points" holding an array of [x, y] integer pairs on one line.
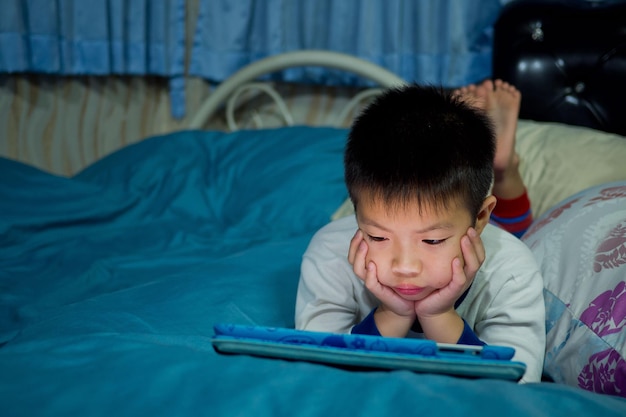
{"points": [[412, 249]]}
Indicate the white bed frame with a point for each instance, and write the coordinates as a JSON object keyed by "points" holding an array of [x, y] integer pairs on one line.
{"points": [[231, 89]]}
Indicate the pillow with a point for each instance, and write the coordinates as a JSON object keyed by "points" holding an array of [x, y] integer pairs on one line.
{"points": [[559, 160], [580, 247]]}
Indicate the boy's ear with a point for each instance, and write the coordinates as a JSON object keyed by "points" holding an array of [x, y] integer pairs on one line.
{"points": [[485, 213]]}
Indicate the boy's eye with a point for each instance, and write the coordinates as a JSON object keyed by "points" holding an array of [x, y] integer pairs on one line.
{"points": [[376, 238], [434, 241]]}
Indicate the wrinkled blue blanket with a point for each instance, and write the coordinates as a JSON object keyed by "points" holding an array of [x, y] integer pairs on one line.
{"points": [[111, 282]]}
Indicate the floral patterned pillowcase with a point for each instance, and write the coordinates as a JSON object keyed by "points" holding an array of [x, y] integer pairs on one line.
{"points": [[580, 246]]}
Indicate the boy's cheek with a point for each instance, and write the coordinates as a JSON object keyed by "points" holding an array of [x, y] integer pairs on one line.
{"points": [[372, 256], [458, 253]]}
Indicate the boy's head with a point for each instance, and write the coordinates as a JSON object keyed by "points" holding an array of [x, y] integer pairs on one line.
{"points": [[418, 144]]}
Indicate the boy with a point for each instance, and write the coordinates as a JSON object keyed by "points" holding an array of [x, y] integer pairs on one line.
{"points": [[420, 257]]}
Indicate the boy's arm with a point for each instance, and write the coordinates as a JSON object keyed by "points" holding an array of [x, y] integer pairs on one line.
{"points": [[516, 315], [384, 322], [391, 324], [467, 336], [329, 297], [323, 301], [448, 327]]}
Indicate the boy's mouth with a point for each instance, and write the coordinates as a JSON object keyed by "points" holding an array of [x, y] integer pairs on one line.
{"points": [[408, 290]]}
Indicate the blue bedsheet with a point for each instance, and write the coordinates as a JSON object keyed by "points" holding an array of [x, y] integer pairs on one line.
{"points": [[111, 282]]}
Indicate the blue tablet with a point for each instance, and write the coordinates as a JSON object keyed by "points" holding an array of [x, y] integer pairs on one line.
{"points": [[369, 352]]}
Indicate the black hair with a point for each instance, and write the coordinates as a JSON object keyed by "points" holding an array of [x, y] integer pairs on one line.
{"points": [[423, 144]]}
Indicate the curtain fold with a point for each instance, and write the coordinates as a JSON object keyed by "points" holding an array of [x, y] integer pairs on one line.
{"points": [[77, 37], [442, 42]]}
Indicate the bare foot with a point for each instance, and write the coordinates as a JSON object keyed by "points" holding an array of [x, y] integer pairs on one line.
{"points": [[473, 95], [501, 101]]}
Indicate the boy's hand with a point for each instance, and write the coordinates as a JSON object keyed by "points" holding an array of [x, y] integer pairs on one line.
{"points": [[366, 271], [473, 253], [436, 313], [463, 273]]}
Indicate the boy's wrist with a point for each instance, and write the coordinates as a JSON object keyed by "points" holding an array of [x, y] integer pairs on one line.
{"points": [[391, 324], [446, 327]]}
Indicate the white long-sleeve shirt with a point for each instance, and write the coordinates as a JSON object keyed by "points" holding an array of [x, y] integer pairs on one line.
{"points": [[504, 305]]}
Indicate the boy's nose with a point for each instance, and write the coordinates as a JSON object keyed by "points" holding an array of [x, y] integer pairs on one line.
{"points": [[407, 265]]}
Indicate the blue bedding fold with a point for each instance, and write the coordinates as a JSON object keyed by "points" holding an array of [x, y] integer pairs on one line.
{"points": [[111, 282], [159, 208]]}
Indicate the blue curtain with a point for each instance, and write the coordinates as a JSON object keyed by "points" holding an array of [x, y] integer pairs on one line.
{"points": [[72, 37], [442, 42]]}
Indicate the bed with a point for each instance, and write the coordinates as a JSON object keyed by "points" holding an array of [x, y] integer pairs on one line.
{"points": [[111, 280]]}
